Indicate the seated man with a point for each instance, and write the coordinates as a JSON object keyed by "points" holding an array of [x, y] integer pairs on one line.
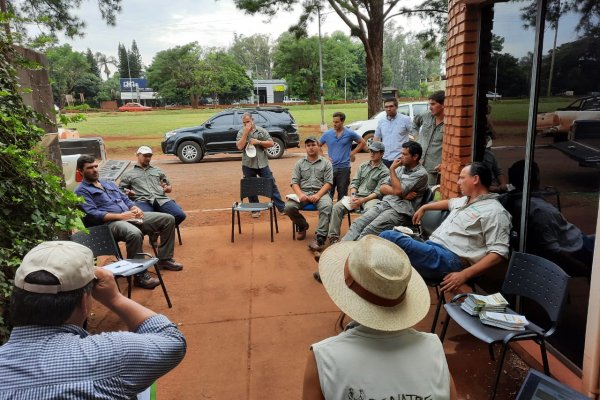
{"points": [[105, 203], [50, 356], [312, 178], [148, 187], [549, 234], [382, 356], [470, 241], [364, 190], [407, 176]]}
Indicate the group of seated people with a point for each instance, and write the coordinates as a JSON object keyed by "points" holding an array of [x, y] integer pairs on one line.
{"points": [[139, 206]]}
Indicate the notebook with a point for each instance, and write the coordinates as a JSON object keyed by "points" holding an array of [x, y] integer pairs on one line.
{"points": [[538, 386]]}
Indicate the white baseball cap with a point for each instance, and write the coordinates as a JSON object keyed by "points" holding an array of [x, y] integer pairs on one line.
{"points": [[71, 263], [144, 150]]}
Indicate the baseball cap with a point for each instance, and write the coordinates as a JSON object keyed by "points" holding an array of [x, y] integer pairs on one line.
{"points": [[376, 146], [144, 150], [71, 263], [311, 139]]}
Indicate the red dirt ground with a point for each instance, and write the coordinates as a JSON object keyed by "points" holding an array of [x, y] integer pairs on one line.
{"points": [[251, 309]]}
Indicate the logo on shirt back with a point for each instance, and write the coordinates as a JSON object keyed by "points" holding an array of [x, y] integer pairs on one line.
{"points": [[352, 395]]}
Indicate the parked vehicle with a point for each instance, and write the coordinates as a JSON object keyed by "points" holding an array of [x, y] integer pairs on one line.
{"points": [[218, 134], [367, 128], [582, 143], [71, 149], [493, 95], [558, 123], [292, 100], [131, 107]]}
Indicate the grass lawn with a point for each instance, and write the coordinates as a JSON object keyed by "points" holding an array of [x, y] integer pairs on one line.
{"points": [[149, 127]]}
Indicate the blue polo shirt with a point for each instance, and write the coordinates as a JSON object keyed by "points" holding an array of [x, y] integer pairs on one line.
{"points": [[339, 148], [100, 202], [393, 133]]}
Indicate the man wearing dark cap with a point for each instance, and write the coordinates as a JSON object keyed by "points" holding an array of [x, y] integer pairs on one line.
{"points": [[50, 356], [312, 178], [364, 190]]}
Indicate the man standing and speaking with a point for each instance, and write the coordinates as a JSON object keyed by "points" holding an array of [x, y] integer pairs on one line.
{"points": [[254, 141], [392, 131], [428, 129]]}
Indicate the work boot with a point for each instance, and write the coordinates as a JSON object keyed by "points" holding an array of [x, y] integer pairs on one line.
{"points": [[317, 243], [333, 240], [317, 255], [170, 265], [146, 281], [301, 235], [317, 276]]}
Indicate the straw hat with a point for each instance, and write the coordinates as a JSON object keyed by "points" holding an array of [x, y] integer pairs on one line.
{"points": [[373, 282]]}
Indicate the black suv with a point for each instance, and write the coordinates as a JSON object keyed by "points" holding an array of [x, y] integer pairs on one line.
{"points": [[218, 133]]}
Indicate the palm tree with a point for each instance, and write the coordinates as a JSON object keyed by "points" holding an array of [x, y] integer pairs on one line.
{"points": [[103, 60]]}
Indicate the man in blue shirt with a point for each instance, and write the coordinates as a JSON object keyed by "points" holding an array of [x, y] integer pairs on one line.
{"points": [[393, 131], [339, 149], [50, 356], [105, 203]]}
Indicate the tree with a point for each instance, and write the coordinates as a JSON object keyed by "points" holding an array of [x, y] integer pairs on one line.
{"points": [[56, 15], [254, 53], [174, 74], [221, 77], [67, 69], [94, 69], [123, 61], [135, 61], [365, 19], [109, 89], [104, 61]]}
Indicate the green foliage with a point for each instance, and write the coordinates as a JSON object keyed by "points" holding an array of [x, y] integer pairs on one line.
{"points": [[123, 62], [253, 53], [135, 61], [33, 205], [94, 69]]}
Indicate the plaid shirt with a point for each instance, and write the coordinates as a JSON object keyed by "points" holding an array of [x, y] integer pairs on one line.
{"points": [[65, 362]]}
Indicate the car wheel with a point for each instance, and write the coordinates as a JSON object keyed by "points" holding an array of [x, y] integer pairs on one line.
{"points": [[276, 151], [368, 137], [190, 152]]}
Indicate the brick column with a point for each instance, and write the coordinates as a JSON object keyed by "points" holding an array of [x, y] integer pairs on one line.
{"points": [[459, 106]]}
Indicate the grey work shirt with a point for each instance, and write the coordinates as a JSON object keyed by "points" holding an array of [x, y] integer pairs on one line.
{"points": [[412, 180], [430, 137], [471, 231], [368, 179], [145, 182], [311, 176], [260, 160]]}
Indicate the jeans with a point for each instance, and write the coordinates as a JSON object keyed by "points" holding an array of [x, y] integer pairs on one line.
{"points": [[431, 260], [170, 207], [341, 181], [264, 173]]}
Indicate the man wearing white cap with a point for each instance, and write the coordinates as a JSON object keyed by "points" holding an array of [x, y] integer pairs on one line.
{"points": [[106, 204], [372, 282], [148, 186], [50, 356]]}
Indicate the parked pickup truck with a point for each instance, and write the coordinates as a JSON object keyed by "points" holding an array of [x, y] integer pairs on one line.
{"points": [[583, 143], [71, 149]]}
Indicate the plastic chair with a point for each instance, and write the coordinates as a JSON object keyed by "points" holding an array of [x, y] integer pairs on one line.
{"points": [[254, 187], [534, 278], [102, 243]]}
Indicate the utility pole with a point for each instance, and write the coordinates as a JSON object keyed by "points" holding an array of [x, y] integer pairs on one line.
{"points": [[129, 73], [257, 93], [323, 124]]}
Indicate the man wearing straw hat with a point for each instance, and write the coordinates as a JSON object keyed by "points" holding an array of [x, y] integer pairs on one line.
{"points": [[372, 281]]}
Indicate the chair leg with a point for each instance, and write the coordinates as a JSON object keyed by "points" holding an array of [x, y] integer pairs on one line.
{"points": [[294, 227], [441, 299], [499, 370], [239, 223], [232, 223], [276, 226], [271, 222], [129, 279], [179, 235], [544, 357], [445, 328], [162, 285]]}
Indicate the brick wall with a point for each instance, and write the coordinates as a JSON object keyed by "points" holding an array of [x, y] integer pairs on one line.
{"points": [[459, 106]]}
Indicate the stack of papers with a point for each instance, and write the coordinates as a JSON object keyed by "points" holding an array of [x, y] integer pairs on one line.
{"points": [[476, 303], [293, 197], [513, 322], [126, 267]]}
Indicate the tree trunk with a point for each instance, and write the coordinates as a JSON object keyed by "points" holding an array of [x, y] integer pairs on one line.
{"points": [[194, 101], [374, 59]]}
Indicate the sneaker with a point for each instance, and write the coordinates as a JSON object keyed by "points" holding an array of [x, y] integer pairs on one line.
{"points": [[146, 281], [317, 243], [170, 265], [317, 276], [255, 214], [333, 240]]}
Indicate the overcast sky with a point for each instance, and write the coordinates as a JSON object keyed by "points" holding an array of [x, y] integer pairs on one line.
{"points": [[159, 25]]}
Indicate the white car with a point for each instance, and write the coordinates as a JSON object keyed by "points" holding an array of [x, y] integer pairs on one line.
{"points": [[366, 129], [493, 95]]}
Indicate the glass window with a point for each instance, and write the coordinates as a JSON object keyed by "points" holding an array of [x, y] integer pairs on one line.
{"points": [[404, 110], [222, 120], [419, 109]]}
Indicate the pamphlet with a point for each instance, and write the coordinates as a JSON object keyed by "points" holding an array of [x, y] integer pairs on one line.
{"points": [[135, 221], [126, 267], [512, 322], [347, 202], [293, 197], [476, 303]]}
